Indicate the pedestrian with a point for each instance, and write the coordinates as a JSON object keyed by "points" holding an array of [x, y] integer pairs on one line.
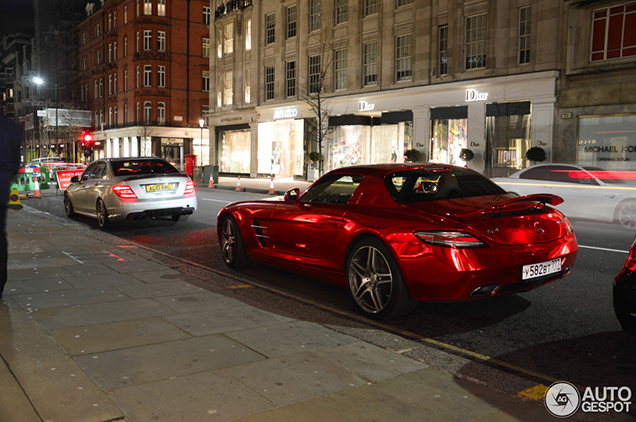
{"points": [[10, 141]]}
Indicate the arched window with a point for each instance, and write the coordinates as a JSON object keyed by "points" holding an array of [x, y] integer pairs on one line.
{"points": [[161, 113], [147, 112]]}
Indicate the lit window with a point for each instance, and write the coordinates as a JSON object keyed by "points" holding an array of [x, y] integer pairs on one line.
{"points": [[476, 41], [270, 28], [147, 7], [227, 88], [228, 38], [161, 7], [248, 35], [248, 96]]}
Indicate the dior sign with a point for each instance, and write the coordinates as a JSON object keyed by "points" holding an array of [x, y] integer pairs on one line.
{"points": [[474, 95]]}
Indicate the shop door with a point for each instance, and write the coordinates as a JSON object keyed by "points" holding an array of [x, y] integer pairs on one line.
{"points": [[172, 154]]}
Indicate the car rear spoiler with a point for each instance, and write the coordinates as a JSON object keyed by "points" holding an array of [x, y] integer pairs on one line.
{"points": [[537, 201]]}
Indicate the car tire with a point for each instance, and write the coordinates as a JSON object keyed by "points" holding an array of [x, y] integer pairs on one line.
{"points": [[626, 214], [232, 245], [102, 214], [375, 281], [624, 298], [68, 206]]}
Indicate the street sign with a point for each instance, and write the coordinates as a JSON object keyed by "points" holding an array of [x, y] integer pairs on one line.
{"points": [[64, 177]]}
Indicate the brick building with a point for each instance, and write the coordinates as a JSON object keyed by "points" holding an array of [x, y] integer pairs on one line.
{"points": [[144, 74]]}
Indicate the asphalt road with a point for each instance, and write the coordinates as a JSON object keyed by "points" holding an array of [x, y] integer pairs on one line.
{"points": [[563, 331]]}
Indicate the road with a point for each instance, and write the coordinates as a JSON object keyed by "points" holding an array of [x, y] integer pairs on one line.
{"points": [[563, 331]]}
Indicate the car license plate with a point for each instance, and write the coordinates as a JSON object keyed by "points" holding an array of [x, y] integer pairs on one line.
{"points": [[160, 187], [541, 269]]}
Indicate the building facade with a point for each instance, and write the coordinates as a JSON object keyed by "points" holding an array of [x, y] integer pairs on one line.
{"points": [[144, 74], [497, 77]]}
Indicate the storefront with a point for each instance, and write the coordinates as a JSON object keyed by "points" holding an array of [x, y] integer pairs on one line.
{"points": [[607, 141]]}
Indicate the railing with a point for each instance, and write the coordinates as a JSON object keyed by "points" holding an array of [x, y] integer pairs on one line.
{"points": [[230, 6]]}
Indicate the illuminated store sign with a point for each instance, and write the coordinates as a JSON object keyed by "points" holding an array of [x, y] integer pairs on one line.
{"points": [[285, 113], [474, 95], [364, 106]]}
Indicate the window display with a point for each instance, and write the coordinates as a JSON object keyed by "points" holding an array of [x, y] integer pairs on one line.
{"points": [[449, 138], [235, 151]]}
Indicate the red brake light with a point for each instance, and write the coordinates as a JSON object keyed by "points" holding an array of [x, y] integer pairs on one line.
{"points": [[189, 187], [630, 264], [124, 191], [450, 239]]}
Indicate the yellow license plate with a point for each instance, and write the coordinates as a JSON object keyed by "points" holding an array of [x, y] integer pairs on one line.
{"points": [[160, 188]]}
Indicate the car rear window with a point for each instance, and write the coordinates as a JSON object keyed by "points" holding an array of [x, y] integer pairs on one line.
{"points": [[440, 183], [138, 167]]}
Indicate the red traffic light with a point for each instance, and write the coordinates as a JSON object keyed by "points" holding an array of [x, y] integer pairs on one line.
{"points": [[87, 137]]}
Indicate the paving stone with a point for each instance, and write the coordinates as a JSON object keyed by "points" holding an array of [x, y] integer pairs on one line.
{"points": [[170, 288]]}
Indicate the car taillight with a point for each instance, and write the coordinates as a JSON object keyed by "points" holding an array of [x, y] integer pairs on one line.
{"points": [[189, 187], [630, 264], [124, 191], [450, 239]]}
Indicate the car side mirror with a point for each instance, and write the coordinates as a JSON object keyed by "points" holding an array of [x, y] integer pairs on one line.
{"points": [[292, 195], [74, 179]]}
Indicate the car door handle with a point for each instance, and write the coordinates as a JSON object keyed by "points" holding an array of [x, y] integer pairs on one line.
{"points": [[610, 196]]}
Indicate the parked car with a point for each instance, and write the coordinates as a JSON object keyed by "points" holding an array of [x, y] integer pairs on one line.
{"points": [[118, 189], [624, 293], [394, 234], [588, 192]]}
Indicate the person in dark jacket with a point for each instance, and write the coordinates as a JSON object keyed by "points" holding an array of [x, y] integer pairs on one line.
{"points": [[10, 140]]}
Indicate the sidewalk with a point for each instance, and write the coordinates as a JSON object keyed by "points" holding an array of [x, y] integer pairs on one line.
{"points": [[257, 185], [94, 329]]}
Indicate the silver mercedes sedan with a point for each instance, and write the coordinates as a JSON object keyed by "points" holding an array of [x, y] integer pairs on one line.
{"points": [[119, 189]]}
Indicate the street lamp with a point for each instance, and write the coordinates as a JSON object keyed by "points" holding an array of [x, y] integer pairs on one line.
{"points": [[39, 81]]}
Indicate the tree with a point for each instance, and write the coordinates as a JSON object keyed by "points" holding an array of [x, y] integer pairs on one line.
{"points": [[319, 66]]}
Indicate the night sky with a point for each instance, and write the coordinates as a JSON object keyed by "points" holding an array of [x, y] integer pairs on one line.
{"points": [[16, 16]]}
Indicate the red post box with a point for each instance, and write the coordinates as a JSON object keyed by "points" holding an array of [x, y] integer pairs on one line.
{"points": [[190, 164]]}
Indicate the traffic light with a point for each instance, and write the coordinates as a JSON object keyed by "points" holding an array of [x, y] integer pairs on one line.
{"points": [[87, 138]]}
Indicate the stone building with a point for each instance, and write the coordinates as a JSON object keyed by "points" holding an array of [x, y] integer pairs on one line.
{"points": [[144, 74]]}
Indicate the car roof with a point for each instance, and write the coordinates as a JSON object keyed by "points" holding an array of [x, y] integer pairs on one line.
{"points": [[381, 170]]}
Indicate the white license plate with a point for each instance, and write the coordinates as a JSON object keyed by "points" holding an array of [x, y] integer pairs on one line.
{"points": [[541, 269]]}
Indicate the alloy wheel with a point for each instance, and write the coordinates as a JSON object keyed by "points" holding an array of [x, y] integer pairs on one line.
{"points": [[627, 215], [370, 279]]}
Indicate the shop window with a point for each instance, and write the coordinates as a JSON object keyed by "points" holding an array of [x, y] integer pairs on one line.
{"points": [[280, 147], [608, 142], [450, 134], [508, 136], [342, 11], [235, 151], [476, 41], [291, 21], [613, 34], [314, 15], [524, 34]]}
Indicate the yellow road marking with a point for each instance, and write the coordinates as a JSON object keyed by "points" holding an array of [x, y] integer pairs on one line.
{"points": [[240, 286], [533, 393]]}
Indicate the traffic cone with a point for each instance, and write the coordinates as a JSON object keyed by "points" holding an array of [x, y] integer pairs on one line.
{"points": [[36, 189], [271, 187], [14, 200], [211, 185], [238, 184]]}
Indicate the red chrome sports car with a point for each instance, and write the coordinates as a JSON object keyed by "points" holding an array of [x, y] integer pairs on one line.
{"points": [[398, 233]]}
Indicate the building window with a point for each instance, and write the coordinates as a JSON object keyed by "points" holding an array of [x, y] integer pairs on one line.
{"points": [[99, 57], [342, 11], [125, 114], [403, 57], [125, 80], [248, 93], [270, 28], [95, 91], [205, 81], [290, 79], [115, 51], [84, 38], [110, 53], [228, 38], [147, 7], [101, 88], [147, 75], [125, 14], [314, 15], [161, 113], [340, 68], [206, 15], [85, 64], [248, 35], [161, 8], [161, 76], [137, 76], [613, 34], [399, 3], [443, 50], [147, 112], [161, 40], [115, 83], [147, 40], [269, 83], [110, 21], [370, 7], [137, 42], [115, 116], [227, 88], [524, 35], [314, 74], [137, 112], [125, 46], [370, 63], [205, 47], [291, 21], [476, 41], [98, 30], [110, 116]]}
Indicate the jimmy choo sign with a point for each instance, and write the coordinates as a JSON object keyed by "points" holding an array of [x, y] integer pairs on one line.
{"points": [[285, 113], [474, 95]]}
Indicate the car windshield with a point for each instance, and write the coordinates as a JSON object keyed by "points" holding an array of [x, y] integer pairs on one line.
{"points": [[140, 167], [439, 183]]}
